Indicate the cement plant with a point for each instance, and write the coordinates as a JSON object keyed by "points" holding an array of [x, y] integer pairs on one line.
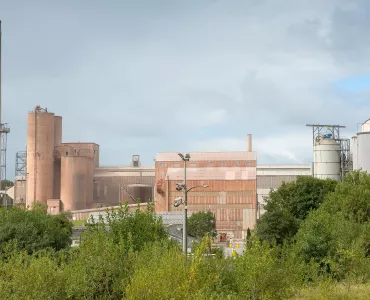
{"points": [[67, 176]]}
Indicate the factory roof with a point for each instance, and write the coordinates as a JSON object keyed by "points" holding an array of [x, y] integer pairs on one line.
{"points": [[201, 156], [221, 173]]}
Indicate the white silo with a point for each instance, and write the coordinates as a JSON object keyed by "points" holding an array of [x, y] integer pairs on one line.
{"points": [[354, 152], [327, 162], [363, 148]]}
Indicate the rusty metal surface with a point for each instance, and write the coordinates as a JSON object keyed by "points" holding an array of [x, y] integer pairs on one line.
{"points": [[231, 195]]}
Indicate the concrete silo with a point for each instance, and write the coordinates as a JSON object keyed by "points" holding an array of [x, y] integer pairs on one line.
{"points": [[361, 154], [40, 156], [327, 159], [76, 180]]}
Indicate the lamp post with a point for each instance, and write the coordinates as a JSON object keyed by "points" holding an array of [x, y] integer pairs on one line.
{"points": [[178, 201]]}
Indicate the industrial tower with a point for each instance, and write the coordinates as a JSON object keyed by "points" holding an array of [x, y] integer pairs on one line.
{"points": [[4, 128]]}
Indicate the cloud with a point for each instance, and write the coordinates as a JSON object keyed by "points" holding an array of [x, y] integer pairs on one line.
{"points": [[148, 76]]}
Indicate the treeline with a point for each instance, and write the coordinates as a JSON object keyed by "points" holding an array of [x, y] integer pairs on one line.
{"points": [[313, 242]]}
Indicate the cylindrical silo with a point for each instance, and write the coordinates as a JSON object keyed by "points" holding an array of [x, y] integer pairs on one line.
{"points": [[363, 151], [76, 177], [40, 156], [366, 126], [354, 152], [58, 130], [138, 191], [327, 159]]}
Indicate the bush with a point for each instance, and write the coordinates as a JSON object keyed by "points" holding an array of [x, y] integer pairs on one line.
{"points": [[33, 230], [289, 205]]}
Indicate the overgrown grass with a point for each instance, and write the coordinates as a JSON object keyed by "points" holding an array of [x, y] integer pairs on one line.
{"points": [[79, 222]]}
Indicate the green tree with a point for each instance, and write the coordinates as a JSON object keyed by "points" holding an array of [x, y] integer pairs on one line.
{"points": [[6, 184], [136, 228], [33, 230], [201, 223], [289, 205], [338, 233]]}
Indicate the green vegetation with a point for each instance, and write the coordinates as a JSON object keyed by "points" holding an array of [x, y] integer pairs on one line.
{"points": [[130, 256], [33, 230], [201, 223], [6, 184], [289, 205], [78, 223]]}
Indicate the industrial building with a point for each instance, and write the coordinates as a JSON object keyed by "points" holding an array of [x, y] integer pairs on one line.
{"points": [[68, 176], [231, 192]]}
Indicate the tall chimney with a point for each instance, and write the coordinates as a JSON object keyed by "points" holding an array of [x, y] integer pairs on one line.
{"points": [[249, 142]]}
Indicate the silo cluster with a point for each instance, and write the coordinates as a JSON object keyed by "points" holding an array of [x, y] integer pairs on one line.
{"points": [[58, 174]]}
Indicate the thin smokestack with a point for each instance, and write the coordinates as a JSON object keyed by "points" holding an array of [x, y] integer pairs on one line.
{"points": [[0, 70], [249, 142]]}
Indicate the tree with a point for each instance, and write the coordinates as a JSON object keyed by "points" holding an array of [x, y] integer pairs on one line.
{"points": [[6, 184], [340, 229], [289, 205], [135, 228], [33, 230], [201, 223]]}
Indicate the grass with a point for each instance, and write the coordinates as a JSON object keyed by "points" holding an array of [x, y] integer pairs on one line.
{"points": [[328, 291], [78, 222]]}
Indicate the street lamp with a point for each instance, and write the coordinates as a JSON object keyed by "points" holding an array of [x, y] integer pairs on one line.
{"points": [[179, 201]]}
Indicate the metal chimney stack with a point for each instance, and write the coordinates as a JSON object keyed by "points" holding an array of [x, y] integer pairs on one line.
{"points": [[249, 142], [4, 129]]}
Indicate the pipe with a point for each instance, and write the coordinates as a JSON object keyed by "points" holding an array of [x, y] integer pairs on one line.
{"points": [[249, 142]]}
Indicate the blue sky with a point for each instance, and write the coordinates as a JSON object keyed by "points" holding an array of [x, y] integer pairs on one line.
{"points": [[354, 84], [141, 77]]}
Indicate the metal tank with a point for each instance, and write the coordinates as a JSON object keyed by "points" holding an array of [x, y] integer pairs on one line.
{"points": [[76, 180], [137, 191], [354, 152], [366, 126], [327, 163], [363, 151], [40, 158]]}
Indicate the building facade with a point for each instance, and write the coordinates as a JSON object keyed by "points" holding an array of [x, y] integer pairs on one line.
{"points": [[231, 195]]}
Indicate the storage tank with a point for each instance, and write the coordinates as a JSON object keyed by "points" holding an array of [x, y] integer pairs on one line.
{"points": [[366, 126], [327, 159], [75, 182], [354, 152], [40, 156], [137, 191], [363, 151]]}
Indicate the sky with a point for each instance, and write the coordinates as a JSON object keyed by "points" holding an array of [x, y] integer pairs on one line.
{"points": [[144, 76]]}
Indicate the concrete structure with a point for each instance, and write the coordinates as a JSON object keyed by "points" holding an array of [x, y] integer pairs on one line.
{"points": [[231, 196], [110, 184], [20, 190], [270, 177], [58, 174], [327, 159], [361, 148]]}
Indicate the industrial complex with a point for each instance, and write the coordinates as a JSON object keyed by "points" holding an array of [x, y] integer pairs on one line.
{"points": [[67, 176]]}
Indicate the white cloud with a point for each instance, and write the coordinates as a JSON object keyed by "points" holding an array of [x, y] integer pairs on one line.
{"points": [[139, 76]]}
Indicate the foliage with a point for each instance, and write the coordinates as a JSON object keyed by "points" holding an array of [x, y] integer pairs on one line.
{"points": [[289, 205], [337, 235], [201, 223], [40, 207], [6, 184], [33, 230], [134, 228], [129, 256]]}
